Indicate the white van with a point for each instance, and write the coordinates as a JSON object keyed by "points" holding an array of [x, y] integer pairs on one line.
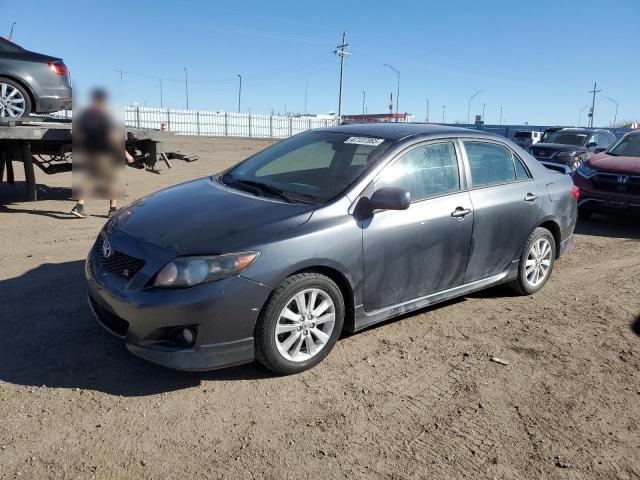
{"points": [[526, 138]]}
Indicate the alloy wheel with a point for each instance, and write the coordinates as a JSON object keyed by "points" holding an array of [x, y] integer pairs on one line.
{"points": [[12, 102], [538, 262], [305, 325]]}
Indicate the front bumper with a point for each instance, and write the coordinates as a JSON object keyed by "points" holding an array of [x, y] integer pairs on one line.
{"points": [[222, 313], [605, 201]]}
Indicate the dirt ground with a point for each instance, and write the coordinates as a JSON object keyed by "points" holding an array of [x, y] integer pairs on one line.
{"points": [[416, 397]]}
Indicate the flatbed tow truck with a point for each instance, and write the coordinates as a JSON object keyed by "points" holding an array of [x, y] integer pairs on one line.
{"points": [[45, 142]]}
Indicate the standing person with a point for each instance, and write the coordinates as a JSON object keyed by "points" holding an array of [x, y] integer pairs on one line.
{"points": [[98, 147]]}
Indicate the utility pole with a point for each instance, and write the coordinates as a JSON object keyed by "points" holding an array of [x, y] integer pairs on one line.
{"points": [[444, 107], [593, 104], [306, 91], [342, 53], [186, 86], [615, 117], [427, 110], [239, 91], [160, 79], [483, 105], [11, 34], [121, 72], [469, 105], [364, 97], [391, 103], [397, 73], [500, 115]]}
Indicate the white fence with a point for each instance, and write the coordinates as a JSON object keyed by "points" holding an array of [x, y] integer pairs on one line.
{"points": [[221, 124]]}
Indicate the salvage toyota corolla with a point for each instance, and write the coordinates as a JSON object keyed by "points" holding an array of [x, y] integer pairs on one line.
{"points": [[330, 230]]}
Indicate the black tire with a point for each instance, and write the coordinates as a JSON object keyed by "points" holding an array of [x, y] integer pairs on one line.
{"points": [[28, 106], [521, 285], [266, 351], [584, 214]]}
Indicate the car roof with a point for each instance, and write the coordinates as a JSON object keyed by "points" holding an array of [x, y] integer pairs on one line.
{"points": [[402, 131]]}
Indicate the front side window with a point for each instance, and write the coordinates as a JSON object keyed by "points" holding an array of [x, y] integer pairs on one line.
{"points": [[490, 163], [425, 171], [313, 166]]}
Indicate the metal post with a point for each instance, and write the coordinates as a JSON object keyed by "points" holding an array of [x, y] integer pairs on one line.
{"points": [[290, 126], [443, 109], [198, 121], [160, 92], [427, 110], [270, 126], [239, 91], [138, 116], [249, 125]]}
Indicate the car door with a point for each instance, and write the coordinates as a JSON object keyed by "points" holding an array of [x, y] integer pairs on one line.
{"points": [[412, 253], [506, 204]]}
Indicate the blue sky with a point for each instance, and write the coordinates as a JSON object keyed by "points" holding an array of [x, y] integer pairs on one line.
{"points": [[537, 60]]}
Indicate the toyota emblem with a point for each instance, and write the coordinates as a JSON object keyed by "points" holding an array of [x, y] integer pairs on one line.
{"points": [[623, 178], [107, 251]]}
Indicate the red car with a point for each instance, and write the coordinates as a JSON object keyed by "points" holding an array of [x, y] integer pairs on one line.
{"points": [[609, 181]]}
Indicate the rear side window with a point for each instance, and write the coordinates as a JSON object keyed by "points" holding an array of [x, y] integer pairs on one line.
{"points": [[425, 171], [490, 163]]}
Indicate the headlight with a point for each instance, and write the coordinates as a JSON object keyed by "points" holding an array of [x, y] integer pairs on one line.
{"points": [[586, 171], [189, 271]]}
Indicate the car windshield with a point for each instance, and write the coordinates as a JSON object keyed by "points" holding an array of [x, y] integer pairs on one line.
{"points": [[628, 146], [566, 138], [312, 167]]}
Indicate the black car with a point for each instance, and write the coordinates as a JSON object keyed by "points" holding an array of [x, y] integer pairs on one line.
{"points": [[31, 82], [565, 149]]}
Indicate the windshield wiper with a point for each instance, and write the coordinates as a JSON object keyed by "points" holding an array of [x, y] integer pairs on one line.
{"points": [[257, 187]]}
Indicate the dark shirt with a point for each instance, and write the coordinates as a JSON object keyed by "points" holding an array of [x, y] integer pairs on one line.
{"points": [[95, 130]]}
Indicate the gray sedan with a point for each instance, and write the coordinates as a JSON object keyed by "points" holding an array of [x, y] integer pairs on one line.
{"points": [[328, 231], [31, 82]]}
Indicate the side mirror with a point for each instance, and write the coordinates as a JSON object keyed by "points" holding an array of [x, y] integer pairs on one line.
{"points": [[390, 198], [599, 149], [592, 144]]}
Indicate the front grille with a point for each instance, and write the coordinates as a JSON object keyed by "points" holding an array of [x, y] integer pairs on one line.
{"points": [[609, 182], [120, 264], [117, 325]]}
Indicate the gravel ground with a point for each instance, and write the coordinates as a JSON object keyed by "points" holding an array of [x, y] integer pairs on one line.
{"points": [[416, 397]]}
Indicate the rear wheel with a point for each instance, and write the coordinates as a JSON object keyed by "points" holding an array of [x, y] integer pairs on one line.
{"points": [[536, 262], [14, 99], [300, 324]]}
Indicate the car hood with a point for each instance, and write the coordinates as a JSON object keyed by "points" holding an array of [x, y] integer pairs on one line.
{"points": [[205, 217], [559, 147], [610, 163]]}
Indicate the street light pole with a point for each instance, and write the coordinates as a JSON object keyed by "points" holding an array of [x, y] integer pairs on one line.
{"points": [[186, 86], [443, 109], [364, 97], [615, 117], [11, 34], [160, 79], [427, 110], [500, 115], [239, 91], [469, 105], [397, 73]]}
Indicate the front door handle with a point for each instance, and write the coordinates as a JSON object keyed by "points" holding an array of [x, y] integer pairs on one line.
{"points": [[531, 197], [460, 212]]}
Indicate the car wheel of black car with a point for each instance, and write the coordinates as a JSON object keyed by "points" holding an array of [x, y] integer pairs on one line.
{"points": [[536, 262], [584, 214], [14, 99], [300, 323]]}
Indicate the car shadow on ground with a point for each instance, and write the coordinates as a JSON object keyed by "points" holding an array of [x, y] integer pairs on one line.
{"points": [[613, 226], [635, 325], [48, 336]]}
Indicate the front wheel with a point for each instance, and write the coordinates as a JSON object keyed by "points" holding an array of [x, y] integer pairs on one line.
{"points": [[300, 323], [536, 262]]}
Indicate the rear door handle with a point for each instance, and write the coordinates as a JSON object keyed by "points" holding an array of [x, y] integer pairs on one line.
{"points": [[531, 197], [460, 212]]}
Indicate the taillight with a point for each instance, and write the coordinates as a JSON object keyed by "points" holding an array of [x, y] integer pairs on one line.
{"points": [[58, 68], [575, 191]]}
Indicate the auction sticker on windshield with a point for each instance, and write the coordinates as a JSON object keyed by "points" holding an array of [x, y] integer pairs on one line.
{"points": [[364, 141]]}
